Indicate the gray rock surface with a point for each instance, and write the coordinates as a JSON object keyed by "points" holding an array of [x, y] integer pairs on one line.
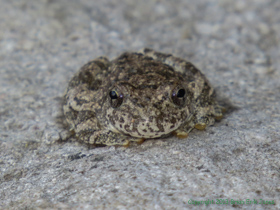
{"points": [[236, 45]]}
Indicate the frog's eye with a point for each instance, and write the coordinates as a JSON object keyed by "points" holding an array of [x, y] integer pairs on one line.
{"points": [[178, 96], [116, 98]]}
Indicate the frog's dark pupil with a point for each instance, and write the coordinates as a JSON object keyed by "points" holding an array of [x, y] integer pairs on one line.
{"points": [[113, 94], [181, 93]]}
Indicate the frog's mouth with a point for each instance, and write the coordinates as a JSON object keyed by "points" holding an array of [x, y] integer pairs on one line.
{"points": [[150, 127]]}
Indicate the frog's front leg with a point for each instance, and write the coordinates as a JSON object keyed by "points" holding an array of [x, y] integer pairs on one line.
{"points": [[109, 138], [183, 131], [105, 137], [102, 137], [199, 123], [206, 116]]}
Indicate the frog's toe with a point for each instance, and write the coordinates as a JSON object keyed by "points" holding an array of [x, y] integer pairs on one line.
{"points": [[219, 110], [200, 126], [126, 144], [181, 134], [203, 122], [219, 117], [140, 141]]}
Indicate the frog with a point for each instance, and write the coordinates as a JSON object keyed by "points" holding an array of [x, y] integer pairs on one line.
{"points": [[138, 96]]}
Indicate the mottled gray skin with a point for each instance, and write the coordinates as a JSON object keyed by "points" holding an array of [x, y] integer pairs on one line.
{"points": [[138, 96]]}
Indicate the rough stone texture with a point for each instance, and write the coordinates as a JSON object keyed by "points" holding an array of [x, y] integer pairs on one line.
{"points": [[236, 45]]}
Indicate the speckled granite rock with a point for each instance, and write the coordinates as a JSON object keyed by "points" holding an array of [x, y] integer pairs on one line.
{"points": [[236, 45]]}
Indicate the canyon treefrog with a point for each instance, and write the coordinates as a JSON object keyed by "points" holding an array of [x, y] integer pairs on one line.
{"points": [[137, 96]]}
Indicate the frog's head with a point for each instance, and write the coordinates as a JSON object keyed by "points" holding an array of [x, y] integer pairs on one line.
{"points": [[147, 110]]}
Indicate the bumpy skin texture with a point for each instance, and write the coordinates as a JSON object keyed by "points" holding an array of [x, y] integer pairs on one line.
{"points": [[138, 96]]}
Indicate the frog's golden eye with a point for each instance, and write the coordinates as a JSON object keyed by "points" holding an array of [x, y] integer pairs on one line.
{"points": [[116, 98], [178, 96]]}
